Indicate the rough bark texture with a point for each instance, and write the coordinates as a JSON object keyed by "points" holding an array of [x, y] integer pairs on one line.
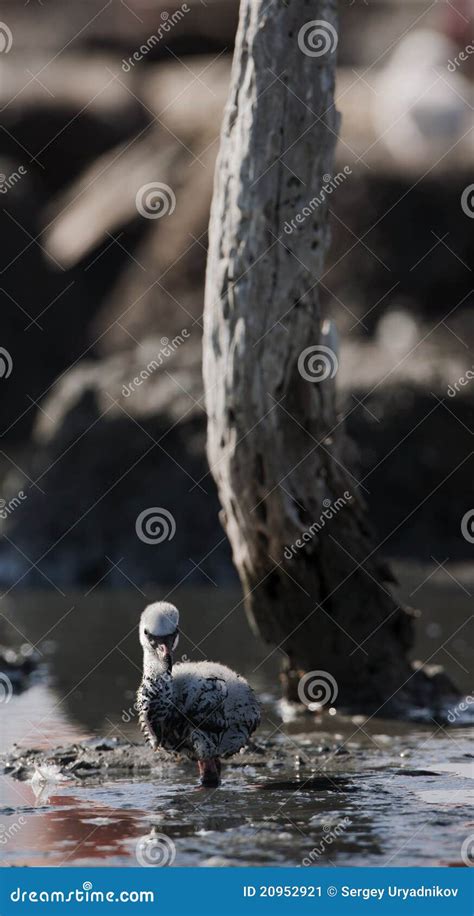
{"points": [[275, 444]]}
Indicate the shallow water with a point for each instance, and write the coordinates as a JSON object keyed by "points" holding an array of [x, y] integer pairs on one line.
{"points": [[335, 790]]}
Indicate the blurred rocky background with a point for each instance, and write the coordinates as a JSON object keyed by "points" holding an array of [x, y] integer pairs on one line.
{"points": [[101, 407]]}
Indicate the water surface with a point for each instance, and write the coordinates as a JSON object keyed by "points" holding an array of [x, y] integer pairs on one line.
{"points": [[334, 789]]}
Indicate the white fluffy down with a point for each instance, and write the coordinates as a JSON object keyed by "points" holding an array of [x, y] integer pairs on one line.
{"points": [[160, 619], [202, 709], [220, 705]]}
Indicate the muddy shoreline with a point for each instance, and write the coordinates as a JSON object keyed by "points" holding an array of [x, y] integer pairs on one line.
{"points": [[112, 758], [101, 759]]}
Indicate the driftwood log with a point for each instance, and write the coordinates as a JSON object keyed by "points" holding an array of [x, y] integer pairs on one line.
{"points": [[292, 510]]}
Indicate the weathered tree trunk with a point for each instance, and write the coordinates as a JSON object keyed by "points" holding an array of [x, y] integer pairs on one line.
{"points": [[275, 444]]}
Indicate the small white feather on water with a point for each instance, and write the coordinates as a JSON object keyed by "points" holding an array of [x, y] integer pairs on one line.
{"points": [[44, 776]]}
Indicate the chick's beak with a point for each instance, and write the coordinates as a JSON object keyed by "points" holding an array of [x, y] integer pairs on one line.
{"points": [[164, 646]]}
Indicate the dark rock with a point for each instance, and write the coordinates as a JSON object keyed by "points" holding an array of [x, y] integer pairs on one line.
{"points": [[415, 773]]}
